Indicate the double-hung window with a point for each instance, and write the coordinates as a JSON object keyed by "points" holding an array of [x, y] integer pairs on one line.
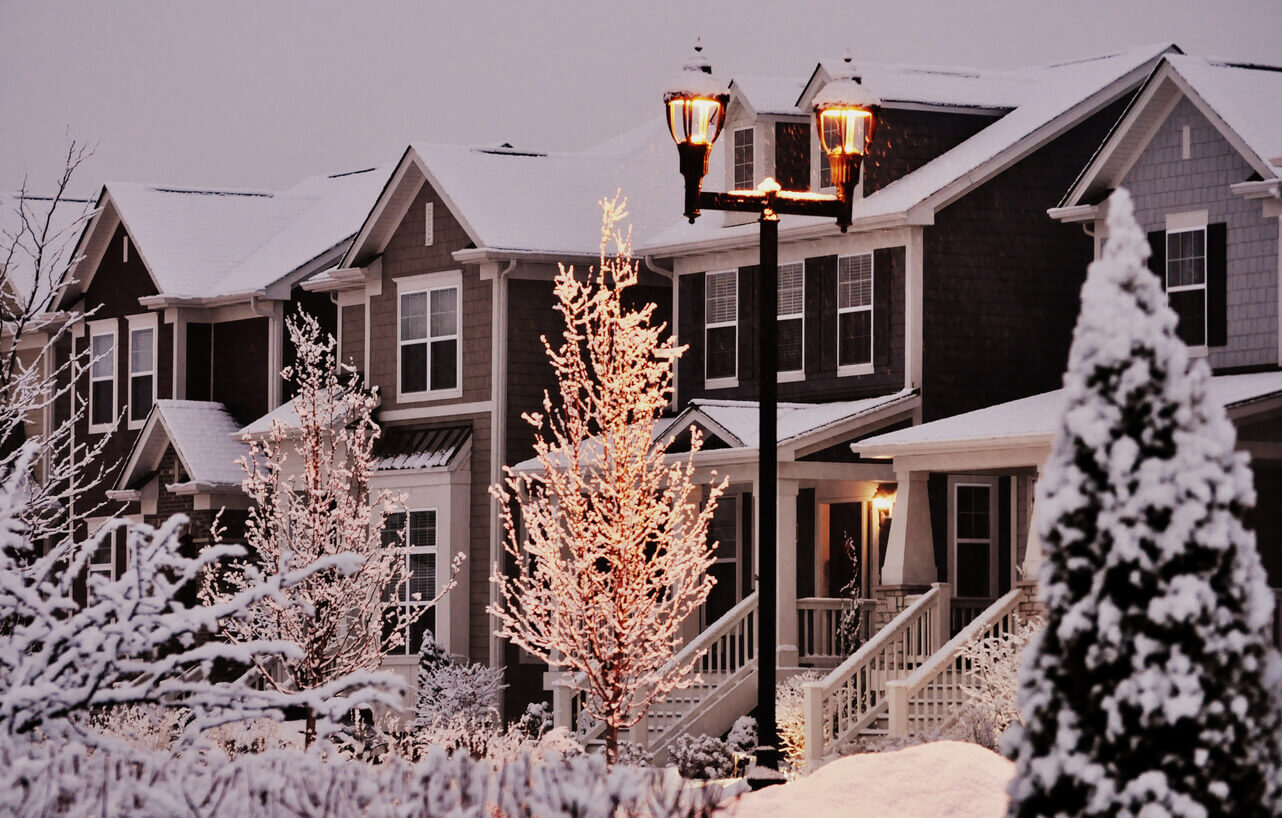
{"points": [[414, 534], [792, 321], [744, 172], [854, 314], [1186, 282], [103, 561], [142, 367], [102, 375], [721, 316], [430, 356]]}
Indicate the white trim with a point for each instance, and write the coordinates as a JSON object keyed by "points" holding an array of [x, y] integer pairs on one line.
{"points": [[428, 284], [862, 367], [1183, 222], [708, 325], [139, 323], [429, 224], [98, 329], [992, 483], [436, 411]]}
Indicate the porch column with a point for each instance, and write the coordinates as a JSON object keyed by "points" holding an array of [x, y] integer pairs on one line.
{"points": [[910, 552], [786, 574], [1033, 554]]}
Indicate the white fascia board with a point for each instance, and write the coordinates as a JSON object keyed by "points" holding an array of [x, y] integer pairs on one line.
{"points": [[482, 255], [927, 448], [1074, 214]]}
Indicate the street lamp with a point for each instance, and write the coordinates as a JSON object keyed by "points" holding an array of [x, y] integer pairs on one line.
{"points": [[845, 115]]}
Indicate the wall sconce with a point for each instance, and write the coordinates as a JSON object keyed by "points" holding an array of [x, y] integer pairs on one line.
{"points": [[883, 499]]}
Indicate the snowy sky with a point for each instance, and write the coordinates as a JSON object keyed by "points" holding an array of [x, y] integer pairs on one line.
{"points": [[259, 94]]}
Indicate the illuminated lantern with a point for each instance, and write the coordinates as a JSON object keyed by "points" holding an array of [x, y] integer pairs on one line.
{"points": [[845, 115], [696, 111]]}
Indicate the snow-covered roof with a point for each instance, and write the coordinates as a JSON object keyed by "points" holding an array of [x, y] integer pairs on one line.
{"points": [[1033, 421], [405, 449], [735, 421], [1051, 97], [1244, 96], [770, 95], [201, 434], [286, 413], [204, 243], [950, 86]]}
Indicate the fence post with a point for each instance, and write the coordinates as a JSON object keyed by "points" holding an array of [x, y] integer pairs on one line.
{"points": [[897, 697], [641, 731], [562, 696], [944, 616], [813, 712]]}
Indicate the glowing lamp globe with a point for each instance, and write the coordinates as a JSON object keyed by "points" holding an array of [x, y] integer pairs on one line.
{"points": [[845, 116], [695, 107]]}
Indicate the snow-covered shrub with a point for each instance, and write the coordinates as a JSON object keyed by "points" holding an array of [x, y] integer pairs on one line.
{"points": [[145, 726], [850, 628], [481, 740], [790, 717], [989, 690], [469, 691], [701, 757], [634, 755], [1153, 689], [742, 737], [536, 720], [55, 779]]}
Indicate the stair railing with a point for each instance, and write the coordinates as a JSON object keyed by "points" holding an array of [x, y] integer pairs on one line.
{"points": [[929, 698], [853, 695]]}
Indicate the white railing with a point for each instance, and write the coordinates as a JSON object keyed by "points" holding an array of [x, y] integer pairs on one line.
{"points": [[726, 650], [819, 627], [928, 699], [853, 695]]}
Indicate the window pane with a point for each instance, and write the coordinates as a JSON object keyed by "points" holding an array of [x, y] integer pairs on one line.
{"points": [[422, 577], [444, 312], [722, 597], [743, 171], [973, 512], [854, 281], [103, 353], [140, 397], [790, 345], [413, 316], [102, 398], [855, 345], [102, 555], [394, 529], [972, 569], [792, 289], [425, 623], [444, 364], [721, 529], [722, 350], [1190, 306], [422, 533], [721, 290], [414, 368], [140, 350]]}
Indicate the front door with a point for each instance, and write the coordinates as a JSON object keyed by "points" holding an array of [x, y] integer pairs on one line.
{"points": [[973, 545], [845, 542], [727, 531]]}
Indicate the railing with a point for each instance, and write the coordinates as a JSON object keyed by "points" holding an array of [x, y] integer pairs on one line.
{"points": [[964, 611], [727, 649], [928, 699], [819, 628], [853, 695]]}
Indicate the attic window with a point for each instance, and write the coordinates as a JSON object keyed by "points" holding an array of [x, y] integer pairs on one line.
{"points": [[180, 474], [744, 173]]}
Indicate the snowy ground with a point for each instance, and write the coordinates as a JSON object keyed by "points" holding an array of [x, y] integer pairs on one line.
{"points": [[942, 779]]}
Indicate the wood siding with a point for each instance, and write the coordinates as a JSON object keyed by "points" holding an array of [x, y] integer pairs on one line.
{"points": [[240, 367], [906, 140]]}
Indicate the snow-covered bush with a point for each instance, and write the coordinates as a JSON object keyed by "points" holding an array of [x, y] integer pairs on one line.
{"points": [[51, 780], [850, 628], [144, 726], [989, 690], [447, 691], [1153, 689], [742, 737], [790, 717], [634, 755], [701, 757], [536, 720]]}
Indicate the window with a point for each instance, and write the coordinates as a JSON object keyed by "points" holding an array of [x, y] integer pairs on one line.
{"points": [[723, 530], [792, 319], [102, 375], [721, 293], [103, 561], [1186, 283], [430, 356], [429, 224], [825, 166], [744, 173], [973, 539], [414, 532], [854, 314], [142, 368]]}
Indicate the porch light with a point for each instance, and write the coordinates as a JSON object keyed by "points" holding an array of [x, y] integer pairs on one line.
{"points": [[845, 116], [883, 499], [695, 106]]}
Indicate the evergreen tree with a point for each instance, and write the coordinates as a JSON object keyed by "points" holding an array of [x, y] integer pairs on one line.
{"points": [[1153, 689], [431, 659]]}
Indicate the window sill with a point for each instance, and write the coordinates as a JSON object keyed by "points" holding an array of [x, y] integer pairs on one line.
{"points": [[720, 383], [135, 425], [428, 397], [100, 428], [790, 377], [1199, 351], [854, 369]]}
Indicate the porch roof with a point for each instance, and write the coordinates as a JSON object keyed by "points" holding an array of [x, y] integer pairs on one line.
{"points": [[406, 449], [1033, 421], [201, 434]]}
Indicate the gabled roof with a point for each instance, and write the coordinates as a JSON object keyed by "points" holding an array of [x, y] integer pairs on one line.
{"points": [[203, 243], [1033, 421], [527, 201], [1057, 97], [201, 434], [768, 95], [1240, 100], [735, 421], [930, 85]]}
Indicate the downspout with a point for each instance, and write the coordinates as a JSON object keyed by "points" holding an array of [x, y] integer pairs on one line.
{"points": [[676, 314], [498, 428], [275, 359]]}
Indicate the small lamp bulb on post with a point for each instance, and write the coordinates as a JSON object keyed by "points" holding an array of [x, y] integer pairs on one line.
{"points": [[696, 111]]}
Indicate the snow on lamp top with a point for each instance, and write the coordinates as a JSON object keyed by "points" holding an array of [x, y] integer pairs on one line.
{"points": [[696, 102]]}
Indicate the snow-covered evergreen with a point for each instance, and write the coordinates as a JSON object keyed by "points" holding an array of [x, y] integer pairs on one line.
{"points": [[1153, 690], [447, 691]]}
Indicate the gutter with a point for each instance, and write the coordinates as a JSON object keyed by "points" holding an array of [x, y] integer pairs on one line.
{"points": [[750, 239], [480, 255], [162, 301], [1074, 214]]}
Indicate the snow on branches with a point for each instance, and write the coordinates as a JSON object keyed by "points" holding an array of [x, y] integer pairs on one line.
{"points": [[610, 545], [1153, 688]]}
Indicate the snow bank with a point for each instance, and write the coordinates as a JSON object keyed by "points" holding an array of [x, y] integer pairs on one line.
{"points": [[942, 779]]}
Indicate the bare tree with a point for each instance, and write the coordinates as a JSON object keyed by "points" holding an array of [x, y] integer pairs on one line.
{"points": [[611, 546]]}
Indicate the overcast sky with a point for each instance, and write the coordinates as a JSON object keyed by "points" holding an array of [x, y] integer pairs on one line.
{"points": [[260, 93]]}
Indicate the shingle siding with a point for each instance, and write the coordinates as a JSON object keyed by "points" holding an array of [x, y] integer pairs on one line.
{"points": [[1162, 182]]}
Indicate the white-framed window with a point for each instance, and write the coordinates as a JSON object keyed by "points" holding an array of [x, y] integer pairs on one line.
{"points": [[1186, 282], [724, 529], [792, 321], [414, 534], [825, 166], [429, 354], [744, 172], [142, 367], [721, 328], [973, 525], [854, 314], [429, 224], [102, 374], [103, 561]]}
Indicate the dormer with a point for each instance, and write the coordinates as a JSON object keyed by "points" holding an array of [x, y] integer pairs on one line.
{"points": [[766, 135]]}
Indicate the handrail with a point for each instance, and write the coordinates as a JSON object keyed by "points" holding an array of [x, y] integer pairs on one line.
{"points": [[853, 694], [945, 671], [717, 629], [819, 623]]}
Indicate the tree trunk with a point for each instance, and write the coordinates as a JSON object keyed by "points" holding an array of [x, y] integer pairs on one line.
{"points": [[310, 734], [611, 743]]}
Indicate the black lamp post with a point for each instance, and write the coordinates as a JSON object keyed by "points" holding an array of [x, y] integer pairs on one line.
{"points": [[845, 114]]}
